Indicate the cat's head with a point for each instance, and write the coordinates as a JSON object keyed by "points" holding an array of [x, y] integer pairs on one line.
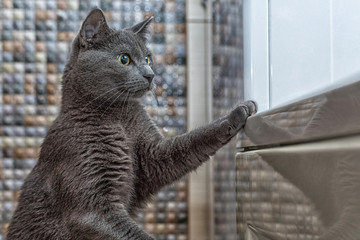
{"points": [[109, 65]]}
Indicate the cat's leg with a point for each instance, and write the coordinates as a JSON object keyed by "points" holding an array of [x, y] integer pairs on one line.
{"points": [[164, 161], [114, 225]]}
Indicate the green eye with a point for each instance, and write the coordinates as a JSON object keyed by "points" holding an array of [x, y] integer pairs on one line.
{"points": [[124, 59], [148, 60]]}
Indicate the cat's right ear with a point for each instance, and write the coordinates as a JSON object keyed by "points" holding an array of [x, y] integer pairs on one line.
{"points": [[93, 28], [142, 28]]}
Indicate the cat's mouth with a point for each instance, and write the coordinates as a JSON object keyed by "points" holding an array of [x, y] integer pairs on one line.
{"points": [[139, 92]]}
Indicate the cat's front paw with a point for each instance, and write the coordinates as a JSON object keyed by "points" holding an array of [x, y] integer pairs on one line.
{"points": [[239, 114]]}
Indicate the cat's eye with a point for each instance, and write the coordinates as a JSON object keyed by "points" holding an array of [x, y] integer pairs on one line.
{"points": [[124, 59], [148, 60]]}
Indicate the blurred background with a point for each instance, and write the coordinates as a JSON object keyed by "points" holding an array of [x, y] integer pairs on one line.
{"points": [[208, 56]]}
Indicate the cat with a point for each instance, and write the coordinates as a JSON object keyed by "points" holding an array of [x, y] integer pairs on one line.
{"points": [[103, 157]]}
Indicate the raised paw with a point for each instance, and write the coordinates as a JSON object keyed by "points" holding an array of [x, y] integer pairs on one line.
{"points": [[252, 107], [239, 114]]}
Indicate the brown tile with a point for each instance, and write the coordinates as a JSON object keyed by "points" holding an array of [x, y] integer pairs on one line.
{"points": [[18, 46], [30, 153], [171, 228], [171, 217], [150, 217], [7, 4], [29, 120], [159, 90], [61, 36], [170, 59], [30, 78], [40, 46], [61, 4], [51, 100], [159, 28], [19, 153], [29, 88], [181, 28], [51, 68], [5, 227], [182, 186], [40, 15], [8, 46], [51, 89], [40, 120], [18, 99], [8, 99], [51, 78], [51, 15], [17, 195]]}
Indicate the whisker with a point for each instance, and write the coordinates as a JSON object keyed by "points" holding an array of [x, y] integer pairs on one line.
{"points": [[98, 97], [123, 102], [102, 104], [110, 105], [119, 104], [123, 106], [127, 108], [123, 92], [153, 91]]}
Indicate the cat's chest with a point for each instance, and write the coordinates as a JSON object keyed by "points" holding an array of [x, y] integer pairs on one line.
{"points": [[111, 140]]}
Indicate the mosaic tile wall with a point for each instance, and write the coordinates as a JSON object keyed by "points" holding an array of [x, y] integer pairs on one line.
{"points": [[35, 41], [228, 90]]}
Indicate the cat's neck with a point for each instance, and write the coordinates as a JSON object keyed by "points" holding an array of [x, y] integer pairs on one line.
{"points": [[80, 108]]}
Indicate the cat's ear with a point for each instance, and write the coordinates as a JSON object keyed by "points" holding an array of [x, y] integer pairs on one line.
{"points": [[142, 28], [93, 28]]}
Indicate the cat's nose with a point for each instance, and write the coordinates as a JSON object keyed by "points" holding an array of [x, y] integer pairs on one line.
{"points": [[149, 77], [147, 73]]}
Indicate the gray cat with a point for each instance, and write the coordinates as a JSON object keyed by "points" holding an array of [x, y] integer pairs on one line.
{"points": [[103, 158]]}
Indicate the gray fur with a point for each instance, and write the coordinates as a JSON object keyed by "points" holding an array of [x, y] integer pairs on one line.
{"points": [[103, 157]]}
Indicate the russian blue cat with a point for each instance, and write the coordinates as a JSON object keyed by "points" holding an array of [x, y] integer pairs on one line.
{"points": [[103, 157]]}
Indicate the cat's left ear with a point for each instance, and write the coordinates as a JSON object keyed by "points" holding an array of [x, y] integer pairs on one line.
{"points": [[93, 28], [142, 28]]}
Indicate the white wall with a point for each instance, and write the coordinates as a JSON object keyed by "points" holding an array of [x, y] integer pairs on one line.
{"points": [[310, 45]]}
